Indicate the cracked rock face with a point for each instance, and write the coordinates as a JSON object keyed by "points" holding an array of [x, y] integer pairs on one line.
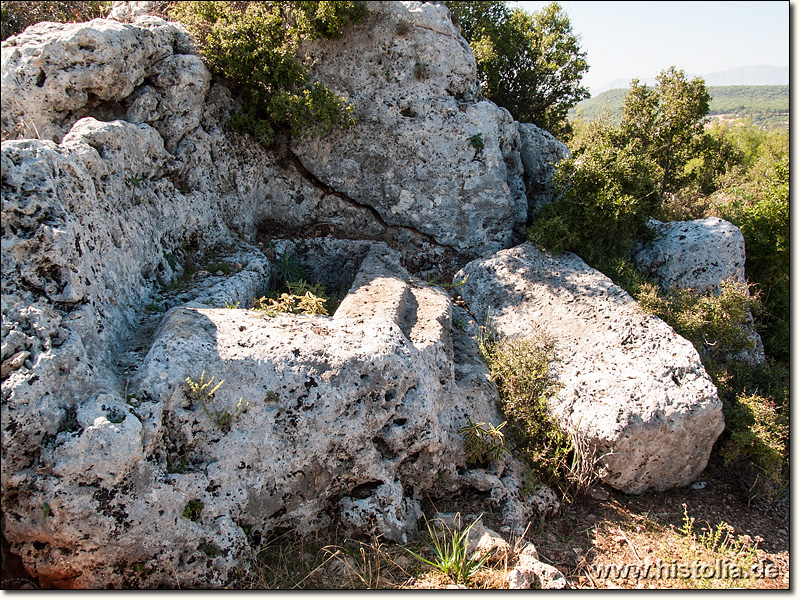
{"points": [[633, 388], [426, 152]]}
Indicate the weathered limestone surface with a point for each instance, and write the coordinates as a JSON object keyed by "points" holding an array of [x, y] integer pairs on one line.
{"points": [[540, 153], [631, 386], [352, 417], [122, 185], [410, 157], [698, 254], [701, 255]]}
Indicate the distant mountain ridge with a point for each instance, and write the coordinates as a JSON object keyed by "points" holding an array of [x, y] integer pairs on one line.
{"points": [[766, 105], [750, 75]]}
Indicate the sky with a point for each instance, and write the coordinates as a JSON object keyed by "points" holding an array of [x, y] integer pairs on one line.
{"points": [[640, 39]]}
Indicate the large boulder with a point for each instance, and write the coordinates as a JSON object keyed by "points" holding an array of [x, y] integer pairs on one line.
{"points": [[427, 152], [702, 255], [631, 387], [698, 254]]}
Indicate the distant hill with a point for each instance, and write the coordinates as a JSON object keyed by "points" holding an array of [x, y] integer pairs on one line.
{"points": [[750, 75], [766, 105]]}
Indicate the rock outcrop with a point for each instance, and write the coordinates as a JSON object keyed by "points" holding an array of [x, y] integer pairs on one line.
{"points": [[631, 387], [348, 418], [134, 220], [540, 153], [702, 255]]}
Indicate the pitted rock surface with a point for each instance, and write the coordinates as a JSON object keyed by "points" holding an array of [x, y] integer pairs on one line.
{"points": [[636, 390], [698, 254]]}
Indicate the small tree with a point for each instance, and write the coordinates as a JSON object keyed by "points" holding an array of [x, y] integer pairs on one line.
{"points": [[531, 65], [666, 120]]}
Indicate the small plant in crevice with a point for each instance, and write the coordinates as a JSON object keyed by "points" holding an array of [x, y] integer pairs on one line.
{"points": [[476, 141], [483, 442], [521, 369], [193, 509], [202, 391], [449, 547], [135, 182], [307, 304], [402, 27]]}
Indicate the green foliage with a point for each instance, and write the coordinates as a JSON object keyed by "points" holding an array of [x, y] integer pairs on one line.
{"points": [[715, 323], [755, 397], [450, 552], [665, 120], [285, 268], [199, 390], [531, 65], [193, 509], [757, 450], [306, 304], [764, 221], [766, 106], [606, 193], [483, 442], [521, 371], [15, 16], [255, 45], [476, 141]]}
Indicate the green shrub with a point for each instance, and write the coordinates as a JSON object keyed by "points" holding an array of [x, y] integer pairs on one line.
{"points": [[15, 16], [764, 220], [757, 451], [255, 47], [715, 323], [521, 370], [450, 552], [606, 193]]}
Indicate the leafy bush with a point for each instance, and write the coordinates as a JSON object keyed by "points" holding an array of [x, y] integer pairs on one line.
{"points": [[715, 323], [521, 370], [15, 16], [757, 451], [755, 397], [255, 47], [764, 221], [606, 193]]}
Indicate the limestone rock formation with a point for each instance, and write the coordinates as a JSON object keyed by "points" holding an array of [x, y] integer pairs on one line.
{"points": [[134, 219], [698, 254], [540, 152], [349, 417], [426, 153], [631, 387]]}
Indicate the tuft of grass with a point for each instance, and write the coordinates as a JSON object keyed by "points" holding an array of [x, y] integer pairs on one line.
{"points": [[449, 547], [483, 442]]}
